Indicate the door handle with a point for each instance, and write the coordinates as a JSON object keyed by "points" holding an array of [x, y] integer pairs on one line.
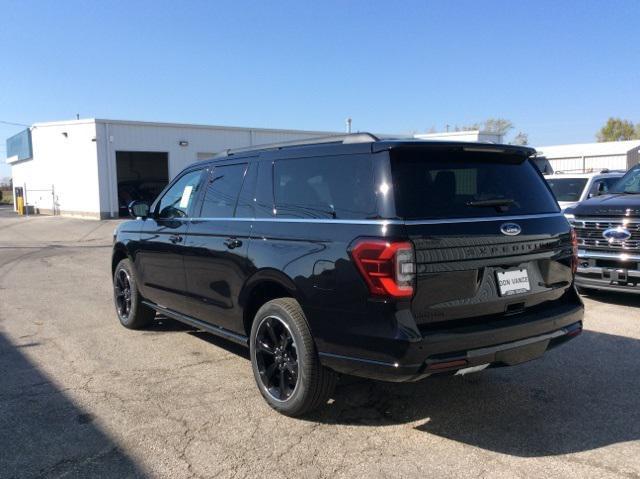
{"points": [[232, 243], [175, 239]]}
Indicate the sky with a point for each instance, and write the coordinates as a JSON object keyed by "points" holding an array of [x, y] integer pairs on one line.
{"points": [[557, 70]]}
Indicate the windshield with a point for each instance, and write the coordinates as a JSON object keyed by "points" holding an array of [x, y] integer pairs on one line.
{"points": [[453, 184], [567, 189], [629, 183]]}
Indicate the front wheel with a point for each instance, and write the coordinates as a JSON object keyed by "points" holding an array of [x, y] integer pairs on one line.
{"points": [[285, 361], [129, 308]]}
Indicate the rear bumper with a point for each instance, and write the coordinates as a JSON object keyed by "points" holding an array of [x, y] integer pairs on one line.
{"points": [[503, 342]]}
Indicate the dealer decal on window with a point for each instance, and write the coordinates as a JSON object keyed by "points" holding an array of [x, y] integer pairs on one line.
{"points": [[186, 196]]}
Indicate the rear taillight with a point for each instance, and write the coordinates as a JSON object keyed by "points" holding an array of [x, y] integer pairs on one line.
{"points": [[388, 267], [574, 251]]}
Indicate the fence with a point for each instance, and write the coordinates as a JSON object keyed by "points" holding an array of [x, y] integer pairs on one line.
{"points": [[38, 200]]}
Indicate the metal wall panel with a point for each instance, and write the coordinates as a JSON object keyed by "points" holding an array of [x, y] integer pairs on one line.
{"points": [[589, 163]]}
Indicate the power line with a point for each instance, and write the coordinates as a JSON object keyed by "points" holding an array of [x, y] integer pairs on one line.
{"points": [[13, 123]]}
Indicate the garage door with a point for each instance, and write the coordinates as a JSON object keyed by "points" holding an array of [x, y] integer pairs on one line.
{"points": [[141, 176]]}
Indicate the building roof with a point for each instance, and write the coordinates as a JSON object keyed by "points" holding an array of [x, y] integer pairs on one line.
{"points": [[608, 148], [178, 125]]}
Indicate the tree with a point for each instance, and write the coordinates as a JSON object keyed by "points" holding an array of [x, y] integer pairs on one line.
{"points": [[521, 139], [617, 129], [499, 126]]}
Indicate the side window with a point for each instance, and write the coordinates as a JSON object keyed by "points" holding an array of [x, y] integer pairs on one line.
{"points": [[222, 191], [339, 187], [263, 202], [245, 200], [595, 185], [180, 197], [607, 184]]}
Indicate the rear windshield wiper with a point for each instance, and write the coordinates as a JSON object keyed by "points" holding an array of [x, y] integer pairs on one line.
{"points": [[500, 204]]}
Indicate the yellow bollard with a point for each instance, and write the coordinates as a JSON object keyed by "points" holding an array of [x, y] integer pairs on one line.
{"points": [[20, 205]]}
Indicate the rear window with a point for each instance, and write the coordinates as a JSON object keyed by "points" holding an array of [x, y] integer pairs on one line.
{"points": [[336, 187], [446, 184], [567, 189]]}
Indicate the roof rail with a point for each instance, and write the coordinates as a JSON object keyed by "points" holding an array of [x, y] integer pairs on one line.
{"points": [[344, 139]]}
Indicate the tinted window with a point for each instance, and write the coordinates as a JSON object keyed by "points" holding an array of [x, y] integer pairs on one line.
{"points": [[222, 191], [629, 183], [178, 199], [325, 187], [245, 209], [607, 183], [263, 204], [567, 189], [610, 182], [450, 184]]}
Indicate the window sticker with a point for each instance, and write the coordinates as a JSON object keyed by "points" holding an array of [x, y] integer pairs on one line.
{"points": [[186, 196]]}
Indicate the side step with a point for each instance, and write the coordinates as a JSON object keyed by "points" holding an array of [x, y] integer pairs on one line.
{"points": [[196, 323]]}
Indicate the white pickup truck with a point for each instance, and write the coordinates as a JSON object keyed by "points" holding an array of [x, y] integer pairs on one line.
{"points": [[572, 188]]}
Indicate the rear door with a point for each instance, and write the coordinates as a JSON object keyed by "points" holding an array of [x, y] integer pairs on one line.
{"points": [[488, 236], [216, 246]]}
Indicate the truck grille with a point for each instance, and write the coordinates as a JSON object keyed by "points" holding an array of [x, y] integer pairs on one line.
{"points": [[590, 233]]}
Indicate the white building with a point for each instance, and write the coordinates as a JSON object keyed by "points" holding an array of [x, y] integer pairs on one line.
{"points": [[469, 135], [92, 168], [587, 157]]}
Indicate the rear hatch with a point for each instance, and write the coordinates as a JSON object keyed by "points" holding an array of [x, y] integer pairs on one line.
{"points": [[488, 236]]}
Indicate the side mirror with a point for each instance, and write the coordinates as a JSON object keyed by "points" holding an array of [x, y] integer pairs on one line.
{"points": [[138, 209]]}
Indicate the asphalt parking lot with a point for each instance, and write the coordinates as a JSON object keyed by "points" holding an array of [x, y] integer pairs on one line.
{"points": [[80, 396]]}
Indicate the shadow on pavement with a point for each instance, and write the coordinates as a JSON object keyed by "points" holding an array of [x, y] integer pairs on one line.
{"points": [[43, 433], [582, 396], [620, 299], [163, 324]]}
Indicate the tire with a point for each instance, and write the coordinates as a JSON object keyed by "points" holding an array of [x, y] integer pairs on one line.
{"points": [[273, 356], [129, 308]]}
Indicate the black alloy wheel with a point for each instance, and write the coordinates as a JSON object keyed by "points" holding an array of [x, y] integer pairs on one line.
{"points": [[123, 293], [132, 313], [285, 361], [277, 358]]}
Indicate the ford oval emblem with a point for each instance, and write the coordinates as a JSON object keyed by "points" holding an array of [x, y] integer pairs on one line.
{"points": [[616, 235], [510, 229]]}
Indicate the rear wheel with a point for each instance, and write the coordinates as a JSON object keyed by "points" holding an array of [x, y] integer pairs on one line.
{"points": [[129, 308], [285, 361]]}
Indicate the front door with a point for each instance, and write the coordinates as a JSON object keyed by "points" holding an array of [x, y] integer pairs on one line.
{"points": [[159, 260]]}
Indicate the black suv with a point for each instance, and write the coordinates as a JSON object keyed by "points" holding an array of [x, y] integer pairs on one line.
{"points": [[388, 259]]}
